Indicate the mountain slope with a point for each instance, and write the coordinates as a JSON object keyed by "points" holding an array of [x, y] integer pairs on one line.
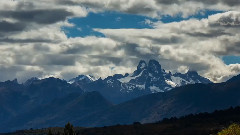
{"points": [[11, 99], [60, 111], [199, 124], [180, 101], [16, 99], [45, 90]]}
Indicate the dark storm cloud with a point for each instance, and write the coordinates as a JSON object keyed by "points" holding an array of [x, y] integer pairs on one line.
{"points": [[228, 21], [26, 20], [82, 3], [40, 47], [140, 9], [66, 2], [167, 2], [231, 2], [233, 49], [78, 49], [45, 59], [38, 16], [21, 5], [211, 2], [131, 50], [8, 40], [155, 8], [101, 60], [164, 40], [11, 27], [64, 60], [209, 34]]}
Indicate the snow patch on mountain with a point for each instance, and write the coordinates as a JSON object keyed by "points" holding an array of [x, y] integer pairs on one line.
{"points": [[171, 83], [141, 87], [155, 89], [92, 78], [129, 78], [177, 80], [86, 78], [143, 65]]}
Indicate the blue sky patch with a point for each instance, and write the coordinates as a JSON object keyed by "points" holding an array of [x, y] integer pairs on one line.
{"points": [[112, 20], [115, 20], [200, 15], [231, 59]]}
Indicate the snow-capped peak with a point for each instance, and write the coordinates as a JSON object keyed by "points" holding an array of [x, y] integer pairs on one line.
{"points": [[154, 67], [141, 66], [148, 78], [84, 78]]}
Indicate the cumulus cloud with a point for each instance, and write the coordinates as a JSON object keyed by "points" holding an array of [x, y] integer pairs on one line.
{"points": [[32, 42], [156, 8], [11, 27], [196, 44], [230, 19], [38, 16], [21, 17]]}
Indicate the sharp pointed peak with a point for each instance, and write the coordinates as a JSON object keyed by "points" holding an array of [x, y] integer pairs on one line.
{"points": [[142, 65], [153, 62], [192, 72]]}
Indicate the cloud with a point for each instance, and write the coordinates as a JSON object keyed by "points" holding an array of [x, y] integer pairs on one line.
{"points": [[19, 19], [156, 8], [32, 41], [11, 27], [214, 2], [228, 19], [38, 16], [196, 44]]}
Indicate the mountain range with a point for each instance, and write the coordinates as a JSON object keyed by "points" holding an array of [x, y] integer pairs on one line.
{"points": [[146, 95], [146, 79]]}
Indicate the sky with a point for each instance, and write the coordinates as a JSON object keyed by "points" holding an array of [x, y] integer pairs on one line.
{"points": [[66, 38]]}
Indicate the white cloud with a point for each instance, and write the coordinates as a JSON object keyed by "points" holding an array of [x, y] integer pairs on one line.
{"points": [[197, 44], [37, 46], [156, 8]]}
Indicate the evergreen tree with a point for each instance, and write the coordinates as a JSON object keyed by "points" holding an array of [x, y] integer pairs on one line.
{"points": [[69, 129], [50, 132]]}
